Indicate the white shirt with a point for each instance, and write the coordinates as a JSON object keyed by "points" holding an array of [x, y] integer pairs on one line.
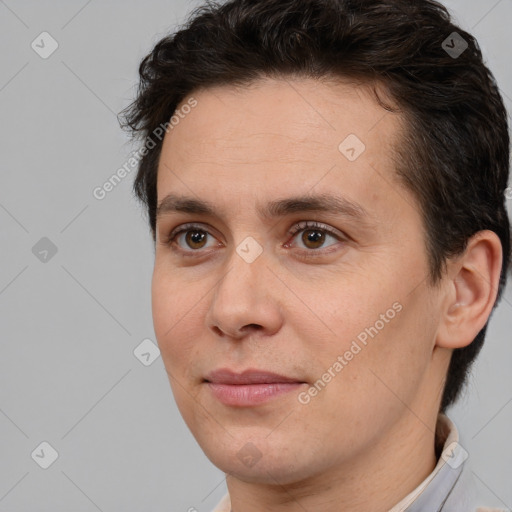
{"points": [[449, 488]]}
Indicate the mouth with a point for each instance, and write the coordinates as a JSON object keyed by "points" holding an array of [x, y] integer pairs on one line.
{"points": [[249, 388]]}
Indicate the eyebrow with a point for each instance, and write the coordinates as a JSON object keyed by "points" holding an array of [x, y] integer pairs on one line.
{"points": [[279, 208]]}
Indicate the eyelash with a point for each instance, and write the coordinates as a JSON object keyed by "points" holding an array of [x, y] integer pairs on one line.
{"points": [[301, 226]]}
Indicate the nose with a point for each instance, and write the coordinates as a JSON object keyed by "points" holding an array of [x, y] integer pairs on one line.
{"points": [[245, 300]]}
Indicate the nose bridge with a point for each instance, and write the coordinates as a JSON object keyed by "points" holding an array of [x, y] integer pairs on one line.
{"points": [[241, 296], [245, 275]]}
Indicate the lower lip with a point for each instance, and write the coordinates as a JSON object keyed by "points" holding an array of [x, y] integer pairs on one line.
{"points": [[251, 394]]}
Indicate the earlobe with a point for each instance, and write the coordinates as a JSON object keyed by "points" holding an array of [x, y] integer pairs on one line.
{"points": [[472, 290]]}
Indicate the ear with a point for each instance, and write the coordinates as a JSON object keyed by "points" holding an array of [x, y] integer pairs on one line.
{"points": [[472, 287]]}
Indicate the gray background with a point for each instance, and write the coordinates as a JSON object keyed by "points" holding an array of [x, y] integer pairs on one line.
{"points": [[70, 324]]}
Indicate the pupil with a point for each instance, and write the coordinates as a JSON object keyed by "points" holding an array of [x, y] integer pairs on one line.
{"points": [[196, 236], [314, 236]]}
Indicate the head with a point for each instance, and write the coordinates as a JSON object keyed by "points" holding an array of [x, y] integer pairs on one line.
{"points": [[289, 99]]}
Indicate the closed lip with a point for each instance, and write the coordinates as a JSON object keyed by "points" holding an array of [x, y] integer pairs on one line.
{"points": [[249, 376]]}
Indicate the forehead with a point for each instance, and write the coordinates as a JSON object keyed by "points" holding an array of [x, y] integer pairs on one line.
{"points": [[299, 134]]}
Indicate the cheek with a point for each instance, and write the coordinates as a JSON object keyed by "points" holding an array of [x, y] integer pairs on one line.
{"points": [[177, 338], [371, 329], [172, 311], [341, 310]]}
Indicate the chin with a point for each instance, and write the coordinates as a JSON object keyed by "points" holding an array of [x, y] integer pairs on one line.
{"points": [[259, 461]]}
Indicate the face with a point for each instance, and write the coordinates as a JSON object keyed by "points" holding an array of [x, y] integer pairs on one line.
{"points": [[330, 297]]}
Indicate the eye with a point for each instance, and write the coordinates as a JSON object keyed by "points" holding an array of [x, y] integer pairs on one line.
{"points": [[314, 235], [189, 238]]}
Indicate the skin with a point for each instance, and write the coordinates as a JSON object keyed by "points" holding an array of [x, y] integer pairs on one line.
{"points": [[367, 438]]}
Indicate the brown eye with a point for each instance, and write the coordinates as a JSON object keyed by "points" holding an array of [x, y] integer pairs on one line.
{"points": [[313, 238], [313, 241], [314, 235], [195, 238], [190, 240]]}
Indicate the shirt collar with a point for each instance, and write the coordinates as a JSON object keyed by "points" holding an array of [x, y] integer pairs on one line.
{"points": [[432, 493]]}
